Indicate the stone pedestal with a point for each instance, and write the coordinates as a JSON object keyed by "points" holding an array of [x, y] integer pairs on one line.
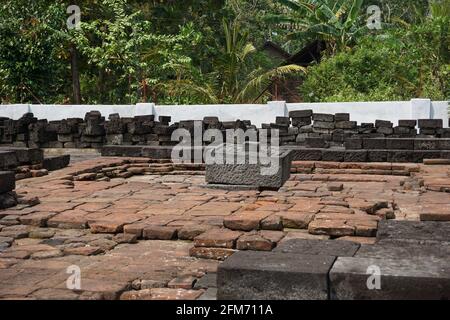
{"points": [[248, 168]]}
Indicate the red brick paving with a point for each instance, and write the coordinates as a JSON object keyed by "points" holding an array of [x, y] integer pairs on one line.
{"points": [[95, 224]]}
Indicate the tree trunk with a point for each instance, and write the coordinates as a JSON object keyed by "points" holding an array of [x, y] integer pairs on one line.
{"points": [[75, 75]]}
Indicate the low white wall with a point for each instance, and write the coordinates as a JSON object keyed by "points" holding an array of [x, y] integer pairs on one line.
{"points": [[58, 112], [13, 111], [257, 113]]}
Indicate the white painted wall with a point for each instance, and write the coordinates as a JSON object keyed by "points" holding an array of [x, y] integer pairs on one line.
{"points": [[58, 112], [13, 111], [257, 113]]}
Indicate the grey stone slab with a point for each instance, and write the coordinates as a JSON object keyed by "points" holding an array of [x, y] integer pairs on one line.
{"points": [[444, 144], [315, 142], [353, 143], [304, 154], [230, 187], [426, 144], [323, 117], [402, 279], [377, 155], [419, 155], [8, 159], [342, 117], [383, 124], [374, 144], [399, 144], [405, 250], [407, 123], [265, 176], [348, 125], [318, 247], [26, 155], [56, 162], [300, 113], [121, 151], [431, 123], [355, 156], [416, 230], [324, 125], [400, 156], [273, 276], [333, 155], [7, 181]]}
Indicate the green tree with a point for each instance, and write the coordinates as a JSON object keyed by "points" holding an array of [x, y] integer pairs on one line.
{"points": [[338, 22], [399, 65], [128, 58], [34, 63]]}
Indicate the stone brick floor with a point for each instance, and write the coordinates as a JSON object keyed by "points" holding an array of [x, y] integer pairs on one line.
{"points": [[121, 233]]}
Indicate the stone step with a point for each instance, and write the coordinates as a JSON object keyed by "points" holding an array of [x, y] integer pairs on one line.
{"points": [[26, 155], [318, 247], [413, 230], [252, 275], [405, 250], [399, 279]]}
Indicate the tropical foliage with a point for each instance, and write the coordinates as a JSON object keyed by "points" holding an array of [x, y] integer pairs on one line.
{"points": [[210, 51]]}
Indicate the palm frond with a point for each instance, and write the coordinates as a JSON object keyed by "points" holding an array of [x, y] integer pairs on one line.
{"points": [[255, 85]]}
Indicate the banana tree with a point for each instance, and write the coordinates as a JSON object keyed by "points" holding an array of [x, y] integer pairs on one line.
{"points": [[338, 22], [237, 75], [239, 79]]}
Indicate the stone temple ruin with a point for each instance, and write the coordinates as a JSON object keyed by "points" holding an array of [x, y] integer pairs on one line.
{"points": [[346, 201]]}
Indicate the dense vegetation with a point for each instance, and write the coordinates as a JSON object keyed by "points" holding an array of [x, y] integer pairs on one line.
{"points": [[210, 51]]}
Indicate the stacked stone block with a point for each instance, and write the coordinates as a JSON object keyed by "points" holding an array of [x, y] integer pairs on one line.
{"points": [[8, 197], [334, 132], [430, 127]]}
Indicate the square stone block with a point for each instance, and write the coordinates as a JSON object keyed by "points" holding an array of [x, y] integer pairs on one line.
{"points": [[304, 154], [121, 151], [26, 155], [355, 156], [300, 113], [333, 155], [400, 279], [56, 163], [253, 275], [7, 181], [413, 230], [377, 155], [426, 144], [374, 144], [254, 173], [399, 144], [405, 250], [8, 160], [318, 247], [430, 123], [400, 156], [407, 123], [353, 143]]}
